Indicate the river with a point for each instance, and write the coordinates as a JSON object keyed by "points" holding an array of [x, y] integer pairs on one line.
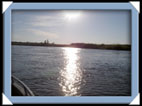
{"points": [[63, 71]]}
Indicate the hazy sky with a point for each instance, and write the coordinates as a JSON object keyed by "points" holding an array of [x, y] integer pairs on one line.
{"points": [[70, 26]]}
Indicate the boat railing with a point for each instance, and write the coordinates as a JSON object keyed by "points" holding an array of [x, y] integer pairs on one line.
{"points": [[21, 87]]}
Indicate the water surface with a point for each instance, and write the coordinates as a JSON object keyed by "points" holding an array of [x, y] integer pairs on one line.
{"points": [[57, 71]]}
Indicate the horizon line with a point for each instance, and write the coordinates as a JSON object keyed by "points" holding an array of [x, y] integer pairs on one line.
{"points": [[71, 43]]}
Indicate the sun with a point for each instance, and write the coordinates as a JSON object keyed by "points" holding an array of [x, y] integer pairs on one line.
{"points": [[72, 15]]}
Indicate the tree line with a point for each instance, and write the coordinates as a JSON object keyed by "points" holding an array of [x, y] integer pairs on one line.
{"points": [[77, 45]]}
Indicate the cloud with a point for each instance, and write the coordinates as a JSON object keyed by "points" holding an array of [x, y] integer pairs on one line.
{"points": [[43, 20], [47, 21], [43, 33]]}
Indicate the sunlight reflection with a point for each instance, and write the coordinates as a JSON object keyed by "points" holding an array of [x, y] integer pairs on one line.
{"points": [[71, 74]]}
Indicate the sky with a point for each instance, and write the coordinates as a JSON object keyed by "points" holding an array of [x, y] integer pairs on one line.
{"points": [[72, 26]]}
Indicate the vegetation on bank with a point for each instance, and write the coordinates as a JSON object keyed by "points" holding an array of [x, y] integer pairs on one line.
{"points": [[77, 45]]}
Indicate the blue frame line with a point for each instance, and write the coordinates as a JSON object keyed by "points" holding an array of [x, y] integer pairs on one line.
{"points": [[71, 6], [135, 47], [62, 99], [7, 52]]}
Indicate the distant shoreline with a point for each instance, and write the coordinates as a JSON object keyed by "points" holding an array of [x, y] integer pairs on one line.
{"points": [[78, 45]]}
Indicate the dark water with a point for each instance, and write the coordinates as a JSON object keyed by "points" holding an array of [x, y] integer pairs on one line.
{"points": [[56, 71]]}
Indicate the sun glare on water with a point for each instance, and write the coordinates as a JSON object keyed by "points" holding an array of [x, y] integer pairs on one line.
{"points": [[71, 74]]}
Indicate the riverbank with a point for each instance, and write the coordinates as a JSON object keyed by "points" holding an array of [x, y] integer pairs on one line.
{"points": [[78, 45]]}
